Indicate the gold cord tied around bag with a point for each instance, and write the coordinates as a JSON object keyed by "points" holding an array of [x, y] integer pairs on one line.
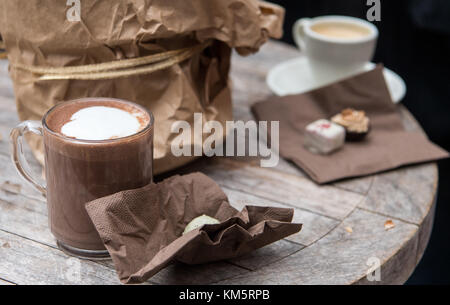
{"points": [[116, 69]]}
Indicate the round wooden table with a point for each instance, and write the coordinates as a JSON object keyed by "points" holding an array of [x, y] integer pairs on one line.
{"points": [[344, 236]]}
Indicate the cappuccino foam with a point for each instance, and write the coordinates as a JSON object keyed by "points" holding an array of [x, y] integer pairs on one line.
{"points": [[341, 30], [102, 123]]}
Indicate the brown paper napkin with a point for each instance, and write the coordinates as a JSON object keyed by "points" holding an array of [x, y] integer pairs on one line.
{"points": [[142, 229], [388, 145]]}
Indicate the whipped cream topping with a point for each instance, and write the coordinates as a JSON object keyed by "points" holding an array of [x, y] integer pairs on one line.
{"points": [[102, 123]]}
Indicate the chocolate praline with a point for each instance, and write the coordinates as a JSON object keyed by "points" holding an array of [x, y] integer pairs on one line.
{"points": [[356, 124]]}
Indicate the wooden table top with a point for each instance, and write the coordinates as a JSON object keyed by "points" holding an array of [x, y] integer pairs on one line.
{"points": [[343, 235]]}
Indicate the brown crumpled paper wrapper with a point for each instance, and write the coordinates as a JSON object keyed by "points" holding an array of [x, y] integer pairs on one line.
{"points": [[37, 32], [142, 229], [387, 146]]}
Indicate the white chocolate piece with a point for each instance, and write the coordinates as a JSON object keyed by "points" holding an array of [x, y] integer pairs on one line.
{"points": [[323, 137], [200, 221]]}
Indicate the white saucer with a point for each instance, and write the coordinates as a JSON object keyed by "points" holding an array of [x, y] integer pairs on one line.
{"points": [[293, 77]]}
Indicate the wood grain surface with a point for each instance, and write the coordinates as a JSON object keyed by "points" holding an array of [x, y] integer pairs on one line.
{"points": [[344, 223]]}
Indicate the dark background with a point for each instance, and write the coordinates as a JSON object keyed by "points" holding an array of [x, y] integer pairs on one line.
{"points": [[414, 42]]}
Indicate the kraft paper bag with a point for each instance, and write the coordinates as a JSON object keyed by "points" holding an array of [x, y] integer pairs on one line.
{"points": [[37, 34]]}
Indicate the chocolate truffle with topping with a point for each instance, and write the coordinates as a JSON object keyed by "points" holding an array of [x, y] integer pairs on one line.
{"points": [[356, 124]]}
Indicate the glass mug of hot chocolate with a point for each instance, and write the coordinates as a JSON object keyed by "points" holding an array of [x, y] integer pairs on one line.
{"points": [[93, 147], [335, 46]]}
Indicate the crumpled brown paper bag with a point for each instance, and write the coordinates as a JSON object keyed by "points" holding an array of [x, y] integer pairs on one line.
{"points": [[37, 33], [142, 229]]}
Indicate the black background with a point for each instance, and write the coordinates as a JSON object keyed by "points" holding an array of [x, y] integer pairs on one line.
{"points": [[414, 42]]}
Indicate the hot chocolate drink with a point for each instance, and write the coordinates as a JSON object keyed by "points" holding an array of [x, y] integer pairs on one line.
{"points": [[93, 148], [341, 30]]}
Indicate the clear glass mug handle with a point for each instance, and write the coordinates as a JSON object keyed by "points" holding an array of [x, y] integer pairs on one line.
{"points": [[17, 153]]}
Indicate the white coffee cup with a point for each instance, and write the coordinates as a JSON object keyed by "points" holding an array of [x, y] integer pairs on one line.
{"points": [[336, 46]]}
